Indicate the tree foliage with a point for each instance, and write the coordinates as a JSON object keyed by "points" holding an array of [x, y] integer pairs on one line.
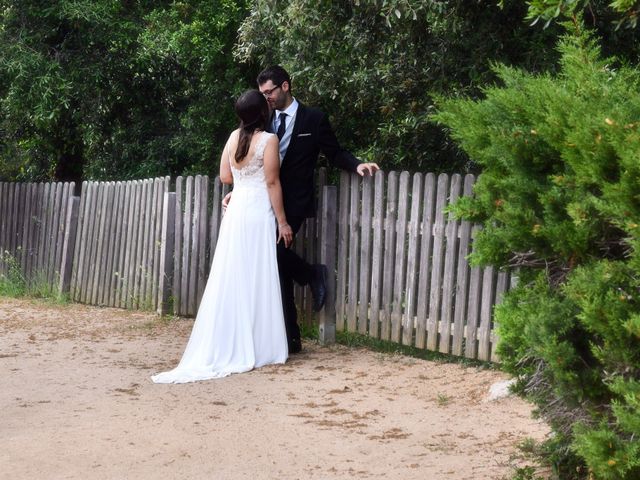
{"points": [[623, 13], [108, 89], [373, 65], [558, 199]]}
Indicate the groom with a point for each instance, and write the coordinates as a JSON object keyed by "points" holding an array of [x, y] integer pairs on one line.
{"points": [[303, 132]]}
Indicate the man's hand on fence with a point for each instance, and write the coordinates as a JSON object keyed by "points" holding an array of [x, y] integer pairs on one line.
{"points": [[367, 168]]}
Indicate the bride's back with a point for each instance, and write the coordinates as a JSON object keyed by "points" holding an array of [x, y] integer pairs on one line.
{"points": [[252, 165]]}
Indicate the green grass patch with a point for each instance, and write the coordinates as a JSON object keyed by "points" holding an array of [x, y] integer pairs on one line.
{"points": [[358, 340], [351, 339], [14, 284]]}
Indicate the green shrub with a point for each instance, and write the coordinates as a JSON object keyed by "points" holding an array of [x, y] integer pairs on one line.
{"points": [[559, 200]]}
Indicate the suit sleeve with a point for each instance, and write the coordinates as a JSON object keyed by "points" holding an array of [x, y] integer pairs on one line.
{"points": [[336, 155]]}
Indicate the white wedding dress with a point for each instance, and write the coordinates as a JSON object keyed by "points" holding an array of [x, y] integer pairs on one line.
{"points": [[240, 324]]}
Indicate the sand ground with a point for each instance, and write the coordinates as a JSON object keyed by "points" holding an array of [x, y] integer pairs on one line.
{"points": [[77, 403]]}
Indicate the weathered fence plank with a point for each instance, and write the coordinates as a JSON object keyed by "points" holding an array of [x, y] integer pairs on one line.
{"points": [[163, 186], [13, 218], [87, 232], [42, 232], [4, 228], [186, 238], [34, 220], [389, 255], [343, 247], [132, 238], [413, 262], [166, 252], [400, 260], [364, 288], [327, 316], [177, 250], [462, 276], [194, 247], [117, 223], [473, 307], [68, 247], [53, 232], [203, 269], [450, 256], [125, 242], [78, 259], [484, 330], [353, 255], [377, 253], [435, 293], [143, 260], [105, 236], [26, 225], [61, 228]]}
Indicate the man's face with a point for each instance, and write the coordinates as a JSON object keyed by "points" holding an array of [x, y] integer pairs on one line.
{"points": [[276, 94]]}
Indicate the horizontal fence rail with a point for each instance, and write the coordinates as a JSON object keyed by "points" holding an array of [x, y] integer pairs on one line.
{"points": [[399, 259]]}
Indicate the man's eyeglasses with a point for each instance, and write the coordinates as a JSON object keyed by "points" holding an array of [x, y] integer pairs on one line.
{"points": [[267, 93]]}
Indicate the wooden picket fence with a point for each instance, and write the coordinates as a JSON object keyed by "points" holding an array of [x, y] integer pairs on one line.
{"points": [[402, 269], [117, 259], [33, 229], [400, 262]]}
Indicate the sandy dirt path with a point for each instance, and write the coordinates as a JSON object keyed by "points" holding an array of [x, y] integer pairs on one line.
{"points": [[77, 403]]}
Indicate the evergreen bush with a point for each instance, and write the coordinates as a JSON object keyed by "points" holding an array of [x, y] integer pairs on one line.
{"points": [[559, 198]]}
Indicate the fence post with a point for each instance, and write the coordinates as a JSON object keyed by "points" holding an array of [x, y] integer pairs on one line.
{"points": [[166, 252], [69, 245], [327, 316]]}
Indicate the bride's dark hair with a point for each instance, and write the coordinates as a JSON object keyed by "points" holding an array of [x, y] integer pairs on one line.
{"points": [[253, 110]]}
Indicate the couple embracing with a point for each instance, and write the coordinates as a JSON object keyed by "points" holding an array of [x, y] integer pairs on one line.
{"points": [[247, 316]]}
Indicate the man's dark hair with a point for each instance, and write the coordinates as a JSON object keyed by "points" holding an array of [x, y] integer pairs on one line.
{"points": [[276, 74]]}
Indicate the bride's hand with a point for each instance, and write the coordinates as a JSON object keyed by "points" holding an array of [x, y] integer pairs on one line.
{"points": [[285, 232], [225, 202]]}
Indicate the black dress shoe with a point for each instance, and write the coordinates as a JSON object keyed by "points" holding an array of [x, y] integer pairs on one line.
{"points": [[295, 347], [318, 286]]}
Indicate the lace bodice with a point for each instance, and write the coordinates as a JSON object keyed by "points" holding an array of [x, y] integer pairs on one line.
{"points": [[251, 172]]}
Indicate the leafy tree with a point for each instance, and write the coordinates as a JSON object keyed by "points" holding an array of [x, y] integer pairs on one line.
{"points": [[614, 21], [558, 198], [373, 65], [622, 12], [107, 89]]}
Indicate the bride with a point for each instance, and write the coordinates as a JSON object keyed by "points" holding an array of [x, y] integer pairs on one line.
{"points": [[240, 324]]}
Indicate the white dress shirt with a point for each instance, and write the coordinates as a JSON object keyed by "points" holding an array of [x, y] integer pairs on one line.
{"points": [[290, 120]]}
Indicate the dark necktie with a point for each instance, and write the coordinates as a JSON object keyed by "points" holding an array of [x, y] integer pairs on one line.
{"points": [[282, 126]]}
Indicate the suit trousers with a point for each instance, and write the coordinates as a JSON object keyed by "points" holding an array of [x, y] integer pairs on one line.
{"points": [[292, 268]]}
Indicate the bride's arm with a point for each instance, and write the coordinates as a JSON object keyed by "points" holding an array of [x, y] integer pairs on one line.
{"points": [[225, 168], [272, 176]]}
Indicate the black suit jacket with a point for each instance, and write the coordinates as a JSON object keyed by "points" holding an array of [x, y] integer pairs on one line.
{"points": [[311, 135]]}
